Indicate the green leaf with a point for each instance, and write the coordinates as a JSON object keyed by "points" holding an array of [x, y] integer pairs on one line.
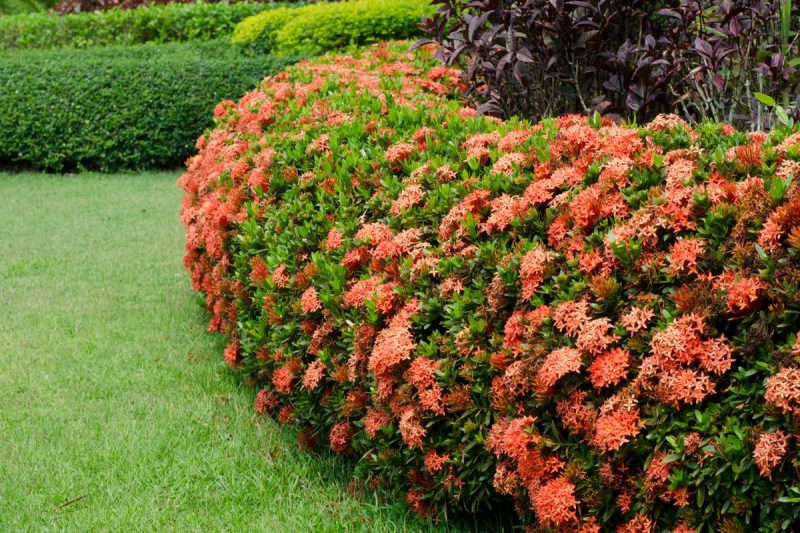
{"points": [[765, 99], [782, 116], [761, 253]]}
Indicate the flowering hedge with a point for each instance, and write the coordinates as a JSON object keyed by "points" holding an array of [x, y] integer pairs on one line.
{"points": [[593, 321]]}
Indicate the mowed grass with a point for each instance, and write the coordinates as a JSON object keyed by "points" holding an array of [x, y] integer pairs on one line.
{"points": [[116, 411]]}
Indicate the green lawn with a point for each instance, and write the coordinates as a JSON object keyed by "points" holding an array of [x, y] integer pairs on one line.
{"points": [[116, 412]]}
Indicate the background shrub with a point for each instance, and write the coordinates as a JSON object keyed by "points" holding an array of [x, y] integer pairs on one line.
{"points": [[699, 58], [327, 26], [596, 322], [85, 6], [257, 33], [118, 107], [11, 7], [155, 23]]}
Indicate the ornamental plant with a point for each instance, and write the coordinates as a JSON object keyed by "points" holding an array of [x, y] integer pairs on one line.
{"points": [[699, 58], [318, 28], [593, 322], [84, 6], [118, 107], [12, 7], [152, 23]]}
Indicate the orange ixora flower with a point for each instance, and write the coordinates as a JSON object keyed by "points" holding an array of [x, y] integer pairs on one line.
{"points": [[638, 524], [280, 277], [411, 430], [340, 436], [595, 336], [508, 162], [309, 302], [576, 413], [334, 239], [636, 319], [743, 291], [399, 152], [571, 316], [361, 291], [679, 386], [375, 420], [683, 255], [314, 374], [617, 423], [411, 196], [265, 401], [769, 451], [505, 209], [609, 368], [532, 269], [282, 379], [393, 344], [554, 503], [558, 364], [434, 462], [512, 437], [259, 271], [783, 390], [232, 354]]}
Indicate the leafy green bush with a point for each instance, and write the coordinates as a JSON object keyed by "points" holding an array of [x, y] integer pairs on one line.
{"points": [[318, 28], [257, 33], [152, 23], [118, 107], [12, 7], [597, 322]]}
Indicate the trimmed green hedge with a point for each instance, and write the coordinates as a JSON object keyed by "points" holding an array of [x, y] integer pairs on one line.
{"points": [[118, 107], [153, 23], [318, 28]]}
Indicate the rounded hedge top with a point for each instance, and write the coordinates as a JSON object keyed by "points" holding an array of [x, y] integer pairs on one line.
{"points": [[317, 28], [596, 322], [117, 108]]}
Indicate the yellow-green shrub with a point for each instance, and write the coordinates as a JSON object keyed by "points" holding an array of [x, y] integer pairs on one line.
{"points": [[258, 31], [318, 28]]}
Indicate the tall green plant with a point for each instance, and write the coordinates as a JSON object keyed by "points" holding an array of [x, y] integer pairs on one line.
{"points": [[786, 24]]}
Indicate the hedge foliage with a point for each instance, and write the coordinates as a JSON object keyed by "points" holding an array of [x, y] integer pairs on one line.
{"points": [[597, 322], [84, 6], [318, 28], [118, 107], [153, 23], [13, 7]]}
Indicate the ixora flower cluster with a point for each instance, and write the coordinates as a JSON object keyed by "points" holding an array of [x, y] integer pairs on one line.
{"points": [[595, 323]]}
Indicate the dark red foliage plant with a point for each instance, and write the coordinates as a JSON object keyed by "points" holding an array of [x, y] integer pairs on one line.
{"points": [[699, 58]]}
